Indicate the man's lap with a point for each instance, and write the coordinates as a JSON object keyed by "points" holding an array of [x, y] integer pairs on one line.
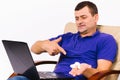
{"points": [[18, 78]]}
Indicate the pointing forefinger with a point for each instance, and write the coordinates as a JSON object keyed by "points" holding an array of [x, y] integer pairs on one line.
{"points": [[61, 50]]}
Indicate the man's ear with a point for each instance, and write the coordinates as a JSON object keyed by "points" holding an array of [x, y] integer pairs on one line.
{"points": [[96, 17]]}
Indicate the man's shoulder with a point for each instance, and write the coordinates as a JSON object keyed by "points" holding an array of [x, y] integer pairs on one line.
{"points": [[104, 35]]}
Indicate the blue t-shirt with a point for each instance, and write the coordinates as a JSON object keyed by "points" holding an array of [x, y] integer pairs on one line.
{"points": [[85, 50]]}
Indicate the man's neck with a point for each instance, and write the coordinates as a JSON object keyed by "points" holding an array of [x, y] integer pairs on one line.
{"points": [[87, 33]]}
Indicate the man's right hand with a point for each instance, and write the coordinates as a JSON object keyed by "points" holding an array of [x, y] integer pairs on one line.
{"points": [[53, 48]]}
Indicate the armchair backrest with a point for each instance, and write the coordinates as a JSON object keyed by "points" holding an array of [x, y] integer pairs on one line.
{"points": [[114, 31]]}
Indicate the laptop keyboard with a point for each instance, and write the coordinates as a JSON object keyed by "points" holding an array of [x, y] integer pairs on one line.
{"points": [[53, 76], [47, 75]]}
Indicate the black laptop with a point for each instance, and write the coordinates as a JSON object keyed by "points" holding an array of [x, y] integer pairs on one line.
{"points": [[22, 62]]}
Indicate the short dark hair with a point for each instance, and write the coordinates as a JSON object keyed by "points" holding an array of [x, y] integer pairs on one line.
{"points": [[90, 5]]}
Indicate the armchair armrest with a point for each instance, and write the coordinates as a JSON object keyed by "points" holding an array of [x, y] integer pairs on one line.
{"points": [[44, 62], [101, 74], [12, 75]]}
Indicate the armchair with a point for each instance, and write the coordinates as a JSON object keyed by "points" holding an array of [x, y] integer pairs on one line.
{"points": [[115, 70]]}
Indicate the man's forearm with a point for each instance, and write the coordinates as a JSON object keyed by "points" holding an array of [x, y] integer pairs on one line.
{"points": [[89, 72], [38, 47]]}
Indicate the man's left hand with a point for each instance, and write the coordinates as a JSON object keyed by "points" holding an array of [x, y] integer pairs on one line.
{"points": [[78, 70]]}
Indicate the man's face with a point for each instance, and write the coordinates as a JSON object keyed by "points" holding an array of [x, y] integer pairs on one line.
{"points": [[85, 22]]}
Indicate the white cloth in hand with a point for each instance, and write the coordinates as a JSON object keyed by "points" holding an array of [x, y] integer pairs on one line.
{"points": [[75, 65]]}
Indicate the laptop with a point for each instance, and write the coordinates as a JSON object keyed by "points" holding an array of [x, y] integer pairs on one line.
{"points": [[22, 62]]}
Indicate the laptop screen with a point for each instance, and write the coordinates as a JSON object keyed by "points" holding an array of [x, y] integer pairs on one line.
{"points": [[20, 58]]}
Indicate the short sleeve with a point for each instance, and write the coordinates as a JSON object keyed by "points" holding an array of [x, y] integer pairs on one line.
{"points": [[107, 48], [64, 37]]}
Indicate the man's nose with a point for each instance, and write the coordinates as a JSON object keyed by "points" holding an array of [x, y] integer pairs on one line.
{"points": [[79, 21]]}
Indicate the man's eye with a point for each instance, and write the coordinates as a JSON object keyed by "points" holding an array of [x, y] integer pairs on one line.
{"points": [[76, 19], [84, 17]]}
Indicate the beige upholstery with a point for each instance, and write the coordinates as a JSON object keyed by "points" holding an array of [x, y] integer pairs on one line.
{"points": [[113, 30]]}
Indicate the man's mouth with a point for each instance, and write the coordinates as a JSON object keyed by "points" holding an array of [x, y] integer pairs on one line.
{"points": [[81, 26]]}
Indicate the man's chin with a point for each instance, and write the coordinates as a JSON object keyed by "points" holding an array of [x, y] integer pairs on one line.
{"points": [[83, 32]]}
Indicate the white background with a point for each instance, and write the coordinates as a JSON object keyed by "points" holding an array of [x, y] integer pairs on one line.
{"points": [[32, 20]]}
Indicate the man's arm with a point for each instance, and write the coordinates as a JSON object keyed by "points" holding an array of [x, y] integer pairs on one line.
{"points": [[87, 71], [51, 47], [102, 65]]}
